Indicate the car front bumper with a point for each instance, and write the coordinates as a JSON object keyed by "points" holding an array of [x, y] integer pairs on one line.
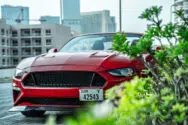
{"points": [[52, 99]]}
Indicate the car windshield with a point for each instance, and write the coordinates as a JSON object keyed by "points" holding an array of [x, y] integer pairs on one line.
{"points": [[95, 42]]}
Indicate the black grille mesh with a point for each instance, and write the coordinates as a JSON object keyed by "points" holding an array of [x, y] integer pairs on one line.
{"points": [[63, 79], [16, 94], [55, 101]]}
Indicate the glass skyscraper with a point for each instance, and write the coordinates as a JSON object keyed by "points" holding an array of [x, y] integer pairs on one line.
{"points": [[12, 13], [70, 14]]}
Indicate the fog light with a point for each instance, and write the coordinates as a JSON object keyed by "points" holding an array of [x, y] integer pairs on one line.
{"points": [[14, 84], [16, 88]]}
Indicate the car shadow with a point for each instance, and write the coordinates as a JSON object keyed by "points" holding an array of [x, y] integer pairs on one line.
{"points": [[59, 118]]}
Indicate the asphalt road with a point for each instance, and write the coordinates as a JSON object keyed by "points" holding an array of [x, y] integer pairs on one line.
{"points": [[16, 118]]}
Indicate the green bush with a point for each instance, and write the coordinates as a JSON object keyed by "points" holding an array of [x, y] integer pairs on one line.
{"points": [[169, 72], [133, 103]]}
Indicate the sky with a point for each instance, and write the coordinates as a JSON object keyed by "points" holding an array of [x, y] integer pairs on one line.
{"points": [[131, 9]]}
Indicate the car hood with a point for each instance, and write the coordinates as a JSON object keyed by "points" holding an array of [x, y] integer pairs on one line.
{"points": [[103, 59], [80, 58]]}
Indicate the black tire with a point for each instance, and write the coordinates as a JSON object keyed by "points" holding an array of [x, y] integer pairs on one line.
{"points": [[33, 113]]}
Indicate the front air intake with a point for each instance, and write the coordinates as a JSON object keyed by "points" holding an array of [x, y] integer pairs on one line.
{"points": [[64, 79]]}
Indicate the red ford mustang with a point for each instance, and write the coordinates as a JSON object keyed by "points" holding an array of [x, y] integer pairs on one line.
{"points": [[79, 73]]}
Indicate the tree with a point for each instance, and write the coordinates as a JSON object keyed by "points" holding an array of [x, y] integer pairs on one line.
{"points": [[170, 69]]}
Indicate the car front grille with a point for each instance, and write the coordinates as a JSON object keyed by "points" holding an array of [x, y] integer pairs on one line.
{"points": [[63, 79]]}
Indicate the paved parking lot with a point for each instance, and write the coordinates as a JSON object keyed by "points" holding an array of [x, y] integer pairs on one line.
{"points": [[16, 118]]}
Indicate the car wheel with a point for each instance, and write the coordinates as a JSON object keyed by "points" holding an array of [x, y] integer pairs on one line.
{"points": [[33, 113]]}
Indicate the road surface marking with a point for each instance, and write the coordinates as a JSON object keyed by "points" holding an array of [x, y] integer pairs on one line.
{"points": [[8, 116]]}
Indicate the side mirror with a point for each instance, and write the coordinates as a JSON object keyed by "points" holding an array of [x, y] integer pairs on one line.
{"points": [[53, 50]]}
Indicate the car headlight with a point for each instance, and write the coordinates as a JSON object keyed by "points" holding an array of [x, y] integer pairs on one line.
{"points": [[19, 73], [123, 72]]}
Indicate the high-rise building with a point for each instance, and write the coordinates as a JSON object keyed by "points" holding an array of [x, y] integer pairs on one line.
{"points": [[12, 14], [98, 21], [70, 14], [50, 20], [22, 41], [181, 4]]}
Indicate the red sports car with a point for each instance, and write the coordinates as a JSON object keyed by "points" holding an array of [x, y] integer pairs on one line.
{"points": [[67, 80]]}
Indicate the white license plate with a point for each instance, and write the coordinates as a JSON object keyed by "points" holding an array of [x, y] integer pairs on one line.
{"points": [[91, 94]]}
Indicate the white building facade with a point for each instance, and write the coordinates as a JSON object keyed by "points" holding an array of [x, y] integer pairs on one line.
{"points": [[49, 20], [181, 4], [98, 21], [21, 41]]}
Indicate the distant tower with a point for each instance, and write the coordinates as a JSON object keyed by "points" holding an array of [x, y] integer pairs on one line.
{"points": [[97, 21], [70, 14], [12, 14]]}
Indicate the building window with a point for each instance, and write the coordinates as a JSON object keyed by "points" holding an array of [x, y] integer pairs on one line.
{"points": [[36, 32], [14, 33], [7, 52], [15, 61], [48, 42], [8, 61], [48, 32], [15, 52], [37, 51], [3, 42], [25, 42], [3, 61], [7, 42], [14, 42], [7, 32], [25, 32], [26, 52], [2, 32], [37, 42], [3, 51]]}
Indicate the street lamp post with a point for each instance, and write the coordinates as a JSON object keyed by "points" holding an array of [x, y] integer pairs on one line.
{"points": [[120, 17], [60, 20]]}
